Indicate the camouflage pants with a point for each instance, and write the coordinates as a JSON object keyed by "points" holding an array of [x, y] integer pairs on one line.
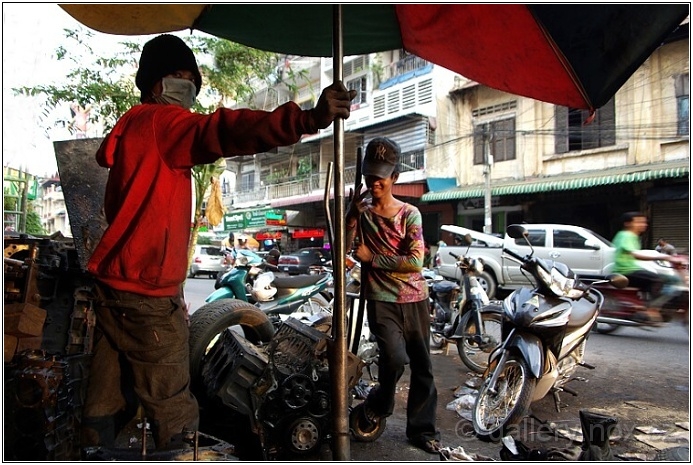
{"points": [[141, 356]]}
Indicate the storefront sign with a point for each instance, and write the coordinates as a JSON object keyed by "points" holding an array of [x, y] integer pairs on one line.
{"points": [[274, 235], [246, 219], [308, 233]]}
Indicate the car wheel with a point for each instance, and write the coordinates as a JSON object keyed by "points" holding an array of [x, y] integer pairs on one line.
{"points": [[191, 274], [488, 283]]}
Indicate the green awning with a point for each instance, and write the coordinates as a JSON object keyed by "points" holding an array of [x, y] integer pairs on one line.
{"points": [[567, 182]]}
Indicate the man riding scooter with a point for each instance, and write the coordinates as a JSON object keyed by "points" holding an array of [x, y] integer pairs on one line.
{"points": [[627, 244]]}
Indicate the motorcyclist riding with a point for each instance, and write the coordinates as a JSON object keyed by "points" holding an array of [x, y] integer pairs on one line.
{"points": [[228, 248], [627, 244]]}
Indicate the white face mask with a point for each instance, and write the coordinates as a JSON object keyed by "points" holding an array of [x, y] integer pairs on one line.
{"points": [[177, 92]]}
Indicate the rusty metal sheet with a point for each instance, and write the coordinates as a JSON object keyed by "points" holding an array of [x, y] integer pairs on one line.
{"points": [[83, 183]]}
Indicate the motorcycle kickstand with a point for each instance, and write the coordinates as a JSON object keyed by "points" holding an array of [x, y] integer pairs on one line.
{"points": [[557, 397]]}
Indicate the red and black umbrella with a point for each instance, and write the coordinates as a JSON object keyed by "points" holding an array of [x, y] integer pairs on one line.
{"points": [[576, 55]]}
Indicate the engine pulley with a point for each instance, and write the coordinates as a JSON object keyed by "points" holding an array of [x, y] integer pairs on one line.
{"points": [[297, 391]]}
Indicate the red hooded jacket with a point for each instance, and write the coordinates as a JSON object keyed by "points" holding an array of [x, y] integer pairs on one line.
{"points": [[148, 200]]}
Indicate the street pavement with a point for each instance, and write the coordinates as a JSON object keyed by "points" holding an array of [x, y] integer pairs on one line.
{"points": [[650, 425]]}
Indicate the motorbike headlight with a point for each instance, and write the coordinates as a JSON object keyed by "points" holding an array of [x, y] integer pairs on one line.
{"points": [[561, 285], [476, 265]]}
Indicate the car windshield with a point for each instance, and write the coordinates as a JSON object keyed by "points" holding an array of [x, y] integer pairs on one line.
{"points": [[210, 251]]}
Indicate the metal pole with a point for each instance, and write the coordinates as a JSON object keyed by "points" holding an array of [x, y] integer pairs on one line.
{"points": [[488, 161], [338, 367]]}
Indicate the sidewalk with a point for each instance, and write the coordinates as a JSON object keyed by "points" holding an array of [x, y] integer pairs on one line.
{"points": [[645, 431], [450, 374]]}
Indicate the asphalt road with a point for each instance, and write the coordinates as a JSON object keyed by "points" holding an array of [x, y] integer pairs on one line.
{"points": [[197, 290]]}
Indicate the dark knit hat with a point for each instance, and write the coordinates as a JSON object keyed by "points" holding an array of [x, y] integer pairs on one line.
{"points": [[161, 56], [382, 158]]}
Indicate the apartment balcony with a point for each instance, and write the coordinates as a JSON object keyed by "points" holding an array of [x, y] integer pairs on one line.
{"points": [[401, 70], [311, 185]]}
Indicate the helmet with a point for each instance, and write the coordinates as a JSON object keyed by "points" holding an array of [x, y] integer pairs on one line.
{"points": [[263, 290]]}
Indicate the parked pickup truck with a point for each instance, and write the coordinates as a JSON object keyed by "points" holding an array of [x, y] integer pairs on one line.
{"points": [[587, 253]]}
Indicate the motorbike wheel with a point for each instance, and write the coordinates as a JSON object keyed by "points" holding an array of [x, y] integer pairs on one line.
{"points": [[475, 353], [316, 304], [209, 321], [494, 415], [437, 340], [605, 328], [362, 429]]}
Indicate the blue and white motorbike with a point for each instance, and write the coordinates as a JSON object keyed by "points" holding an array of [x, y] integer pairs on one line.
{"points": [[544, 333]]}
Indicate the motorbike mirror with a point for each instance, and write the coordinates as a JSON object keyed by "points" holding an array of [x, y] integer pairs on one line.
{"points": [[467, 239], [618, 280], [516, 231]]}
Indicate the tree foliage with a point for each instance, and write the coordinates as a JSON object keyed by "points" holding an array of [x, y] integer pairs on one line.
{"points": [[33, 221], [230, 72]]}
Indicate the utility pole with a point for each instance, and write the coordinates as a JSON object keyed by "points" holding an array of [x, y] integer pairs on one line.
{"points": [[488, 161]]}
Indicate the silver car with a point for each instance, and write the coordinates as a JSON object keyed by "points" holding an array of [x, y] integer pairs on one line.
{"points": [[207, 260]]}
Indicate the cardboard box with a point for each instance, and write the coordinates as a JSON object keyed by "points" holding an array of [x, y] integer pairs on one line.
{"points": [[24, 320], [10, 347], [29, 343]]}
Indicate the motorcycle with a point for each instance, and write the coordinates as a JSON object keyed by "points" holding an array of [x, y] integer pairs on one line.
{"points": [[243, 269], [622, 307], [545, 330], [463, 314], [252, 280]]}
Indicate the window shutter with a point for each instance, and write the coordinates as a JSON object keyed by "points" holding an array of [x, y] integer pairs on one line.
{"points": [[561, 129], [607, 123], [479, 144]]}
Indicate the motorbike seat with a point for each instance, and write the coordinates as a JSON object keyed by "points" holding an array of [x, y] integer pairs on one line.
{"points": [[290, 282], [581, 313], [442, 287]]}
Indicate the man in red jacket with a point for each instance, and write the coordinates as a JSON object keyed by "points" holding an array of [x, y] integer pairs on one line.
{"points": [[141, 348]]}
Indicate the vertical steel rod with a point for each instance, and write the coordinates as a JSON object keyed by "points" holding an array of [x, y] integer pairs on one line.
{"points": [[340, 405]]}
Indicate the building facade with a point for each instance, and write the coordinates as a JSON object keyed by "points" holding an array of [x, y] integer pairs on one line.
{"points": [[478, 157]]}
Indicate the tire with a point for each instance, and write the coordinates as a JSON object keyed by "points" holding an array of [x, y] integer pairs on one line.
{"points": [[190, 273], [495, 415], [605, 328], [210, 320], [362, 429], [315, 305], [488, 283], [437, 341], [475, 355]]}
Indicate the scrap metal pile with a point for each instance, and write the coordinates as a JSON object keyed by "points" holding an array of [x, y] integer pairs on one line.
{"points": [[48, 329]]}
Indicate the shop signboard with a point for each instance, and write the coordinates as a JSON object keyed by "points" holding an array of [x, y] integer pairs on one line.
{"points": [[239, 220]]}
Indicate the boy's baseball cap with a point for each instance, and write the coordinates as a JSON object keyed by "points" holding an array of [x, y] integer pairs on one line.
{"points": [[382, 158]]}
